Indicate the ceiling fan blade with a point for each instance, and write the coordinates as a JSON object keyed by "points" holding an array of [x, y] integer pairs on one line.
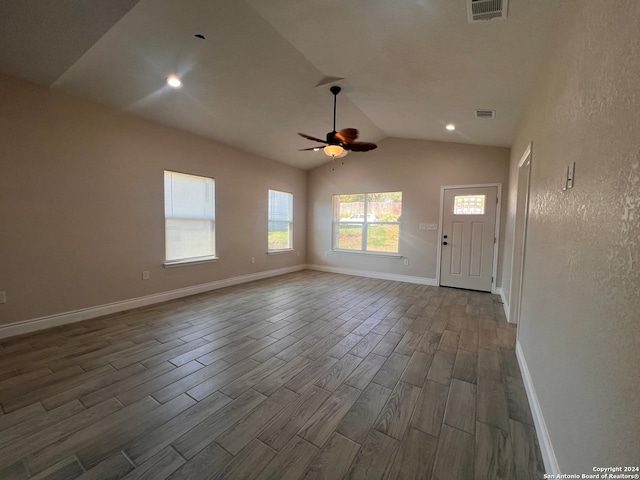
{"points": [[311, 148], [347, 135], [361, 146], [309, 137]]}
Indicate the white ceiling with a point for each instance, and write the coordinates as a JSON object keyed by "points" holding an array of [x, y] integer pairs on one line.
{"points": [[409, 66]]}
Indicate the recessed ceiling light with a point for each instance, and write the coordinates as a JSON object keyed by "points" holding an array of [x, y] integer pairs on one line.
{"points": [[173, 81], [451, 127], [317, 149]]}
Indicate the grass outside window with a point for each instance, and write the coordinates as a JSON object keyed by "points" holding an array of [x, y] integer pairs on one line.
{"points": [[367, 222]]}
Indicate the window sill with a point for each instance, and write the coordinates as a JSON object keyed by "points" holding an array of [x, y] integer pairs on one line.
{"points": [[190, 261], [280, 252], [376, 254]]}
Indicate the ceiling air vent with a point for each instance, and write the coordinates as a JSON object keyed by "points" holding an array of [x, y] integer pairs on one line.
{"points": [[479, 10], [485, 114]]}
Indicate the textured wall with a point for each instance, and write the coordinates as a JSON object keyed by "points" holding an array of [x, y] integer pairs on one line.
{"points": [[580, 322], [82, 204], [418, 169]]}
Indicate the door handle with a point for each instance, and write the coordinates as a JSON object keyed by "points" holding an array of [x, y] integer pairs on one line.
{"points": [[445, 243]]}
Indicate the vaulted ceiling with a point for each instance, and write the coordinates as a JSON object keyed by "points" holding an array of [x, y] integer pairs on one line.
{"points": [[263, 70]]}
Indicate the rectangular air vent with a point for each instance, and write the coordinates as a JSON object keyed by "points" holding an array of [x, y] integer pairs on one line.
{"points": [[485, 114], [479, 10]]}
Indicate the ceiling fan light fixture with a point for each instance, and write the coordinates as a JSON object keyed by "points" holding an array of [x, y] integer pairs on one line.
{"points": [[173, 81], [334, 151]]}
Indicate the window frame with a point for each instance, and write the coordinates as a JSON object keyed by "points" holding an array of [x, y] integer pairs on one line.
{"points": [[337, 222], [181, 261], [289, 221]]}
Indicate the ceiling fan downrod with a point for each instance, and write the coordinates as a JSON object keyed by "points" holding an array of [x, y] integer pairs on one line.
{"points": [[335, 90]]}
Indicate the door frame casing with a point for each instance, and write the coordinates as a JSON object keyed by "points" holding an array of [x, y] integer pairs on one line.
{"points": [[521, 213], [496, 233]]}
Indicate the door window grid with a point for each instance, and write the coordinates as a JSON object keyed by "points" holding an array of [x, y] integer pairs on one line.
{"points": [[469, 204]]}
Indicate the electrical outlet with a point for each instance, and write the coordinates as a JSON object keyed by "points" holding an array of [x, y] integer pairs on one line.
{"points": [[145, 274], [253, 259], [3, 297], [406, 261]]}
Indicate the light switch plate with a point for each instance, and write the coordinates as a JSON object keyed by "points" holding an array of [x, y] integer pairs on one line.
{"points": [[432, 226], [570, 174]]}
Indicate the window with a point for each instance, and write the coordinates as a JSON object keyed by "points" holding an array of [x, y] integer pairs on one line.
{"points": [[468, 204], [189, 212], [280, 235], [367, 222]]}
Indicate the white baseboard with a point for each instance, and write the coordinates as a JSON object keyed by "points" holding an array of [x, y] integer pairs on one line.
{"points": [[382, 276], [505, 303], [28, 326], [548, 454]]}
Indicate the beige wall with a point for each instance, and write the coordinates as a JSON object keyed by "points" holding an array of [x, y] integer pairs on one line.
{"points": [[82, 209], [418, 169], [580, 322]]}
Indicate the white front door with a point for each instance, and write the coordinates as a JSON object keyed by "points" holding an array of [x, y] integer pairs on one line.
{"points": [[467, 237]]}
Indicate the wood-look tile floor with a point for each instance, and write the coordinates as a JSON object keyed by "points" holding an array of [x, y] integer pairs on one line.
{"points": [[305, 376]]}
